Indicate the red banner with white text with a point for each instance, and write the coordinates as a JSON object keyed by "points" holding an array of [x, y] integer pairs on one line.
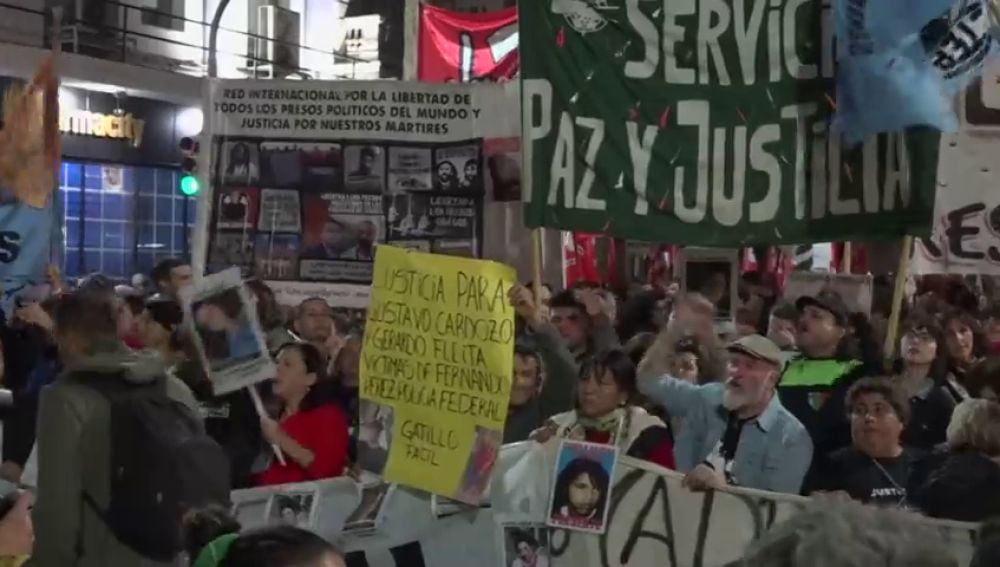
{"points": [[461, 47]]}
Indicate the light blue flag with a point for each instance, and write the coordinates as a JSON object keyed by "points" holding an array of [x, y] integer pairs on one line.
{"points": [[884, 88], [891, 22], [25, 247]]}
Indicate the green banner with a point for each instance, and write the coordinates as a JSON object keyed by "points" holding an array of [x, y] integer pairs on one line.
{"points": [[704, 122]]}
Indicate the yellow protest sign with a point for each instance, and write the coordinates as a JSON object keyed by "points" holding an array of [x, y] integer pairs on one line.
{"points": [[438, 350]]}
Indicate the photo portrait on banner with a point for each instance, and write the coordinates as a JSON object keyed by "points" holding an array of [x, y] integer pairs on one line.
{"points": [[227, 333], [581, 488]]}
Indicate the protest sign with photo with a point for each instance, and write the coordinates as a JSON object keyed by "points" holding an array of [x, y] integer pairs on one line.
{"points": [[522, 542], [581, 487], [661, 122], [227, 334], [293, 508], [966, 237], [854, 289], [237, 208], [712, 272], [308, 177], [410, 169], [653, 520], [438, 349]]}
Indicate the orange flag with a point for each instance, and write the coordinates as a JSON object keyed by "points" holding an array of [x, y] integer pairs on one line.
{"points": [[29, 141]]}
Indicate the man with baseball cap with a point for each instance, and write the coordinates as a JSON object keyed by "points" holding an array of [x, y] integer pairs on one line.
{"points": [[736, 432], [814, 385]]}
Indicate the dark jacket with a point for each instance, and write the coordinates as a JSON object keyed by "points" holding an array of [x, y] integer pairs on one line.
{"points": [[960, 485], [73, 457], [815, 392], [231, 420], [930, 413]]}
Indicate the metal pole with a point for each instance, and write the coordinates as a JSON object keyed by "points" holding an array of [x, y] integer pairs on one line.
{"points": [[213, 38], [411, 34]]}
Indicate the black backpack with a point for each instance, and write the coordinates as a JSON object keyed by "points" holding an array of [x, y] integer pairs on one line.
{"points": [[162, 465]]}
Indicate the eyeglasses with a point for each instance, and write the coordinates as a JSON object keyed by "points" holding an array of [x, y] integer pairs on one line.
{"points": [[923, 337], [877, 412]]}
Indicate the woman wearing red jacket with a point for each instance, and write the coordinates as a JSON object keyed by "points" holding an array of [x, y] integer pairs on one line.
{"points": [[312, 431]]}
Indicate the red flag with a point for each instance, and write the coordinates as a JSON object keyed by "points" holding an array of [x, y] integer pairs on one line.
{"points": [[462, 47]]}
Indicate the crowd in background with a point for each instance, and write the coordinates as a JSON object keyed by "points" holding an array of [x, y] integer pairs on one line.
{"points": [[793, 397]]}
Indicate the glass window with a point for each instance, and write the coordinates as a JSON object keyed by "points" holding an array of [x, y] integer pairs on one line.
{"points": [[119, 219]]}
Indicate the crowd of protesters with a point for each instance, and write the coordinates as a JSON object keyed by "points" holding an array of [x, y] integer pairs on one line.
{"points": [[796, 397]]}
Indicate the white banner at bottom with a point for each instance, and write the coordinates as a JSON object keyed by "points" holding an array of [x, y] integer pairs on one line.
{"points": [[652, 519]]}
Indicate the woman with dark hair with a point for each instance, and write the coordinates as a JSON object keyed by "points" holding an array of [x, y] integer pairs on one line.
{"points": [[240, 167], [312, 431], [213, 539], [965, 342], [606, 415], [581, 491], [924, 379]]}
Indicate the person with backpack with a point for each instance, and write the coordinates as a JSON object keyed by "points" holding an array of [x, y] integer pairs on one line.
{"points": [[122, 453]]}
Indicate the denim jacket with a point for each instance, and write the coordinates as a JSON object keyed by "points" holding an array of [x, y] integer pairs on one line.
{"points": [[774, 451]]}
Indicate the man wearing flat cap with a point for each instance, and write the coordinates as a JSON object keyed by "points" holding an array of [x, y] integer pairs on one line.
{"points": [[736, 432]]}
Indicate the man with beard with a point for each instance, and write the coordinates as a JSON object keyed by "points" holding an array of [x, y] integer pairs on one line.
{"points": [[737, 432], [814, 386]]}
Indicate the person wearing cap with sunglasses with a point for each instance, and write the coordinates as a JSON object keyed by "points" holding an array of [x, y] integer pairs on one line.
{"points": [[736, 432], [814, 385]]}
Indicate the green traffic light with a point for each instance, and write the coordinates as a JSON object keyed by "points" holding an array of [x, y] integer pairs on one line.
{"points": [[190, 185]]}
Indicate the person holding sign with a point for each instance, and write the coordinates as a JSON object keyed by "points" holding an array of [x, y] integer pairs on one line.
{"points": [[604, 414], [312, 431]]}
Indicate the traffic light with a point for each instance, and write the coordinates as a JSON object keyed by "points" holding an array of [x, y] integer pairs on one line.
{"points": [[189, 185]]}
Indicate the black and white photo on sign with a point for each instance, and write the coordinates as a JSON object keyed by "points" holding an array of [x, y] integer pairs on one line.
{"points": [[280, 211], [522, 542], [231, 249], [374, 435], [428, 215], [240, 163], [236, 209], [364, 168], [227, 334], [252, 512], [370, 512], [296, 509], [712, 273], [458, 168], [311, 166], [410, 169], [276, 256]]}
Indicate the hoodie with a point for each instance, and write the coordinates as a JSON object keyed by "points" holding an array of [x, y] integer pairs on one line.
{"points": [[74, 444]]}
